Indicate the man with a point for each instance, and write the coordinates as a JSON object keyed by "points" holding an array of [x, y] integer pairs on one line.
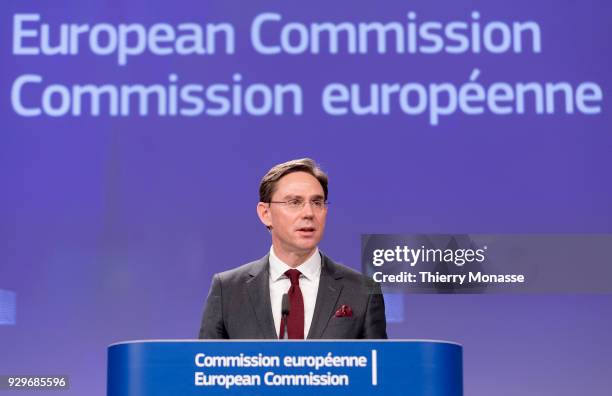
{"points": [[326, 300]]}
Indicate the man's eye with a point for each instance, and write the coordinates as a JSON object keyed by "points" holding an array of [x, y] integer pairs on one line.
{"points": [[317, 203], [294, 202]]}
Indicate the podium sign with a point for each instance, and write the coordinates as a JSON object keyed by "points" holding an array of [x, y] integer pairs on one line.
{"points": [[270, 367]]}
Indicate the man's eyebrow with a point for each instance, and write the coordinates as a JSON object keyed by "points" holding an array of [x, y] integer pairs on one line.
{"points": [[292, 196], [301, 197]]}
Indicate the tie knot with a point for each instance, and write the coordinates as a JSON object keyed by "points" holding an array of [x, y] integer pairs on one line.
{"points": [[294, 276]]}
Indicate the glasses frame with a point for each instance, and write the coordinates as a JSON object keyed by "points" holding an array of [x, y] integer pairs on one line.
{"points": [[299, 204]]}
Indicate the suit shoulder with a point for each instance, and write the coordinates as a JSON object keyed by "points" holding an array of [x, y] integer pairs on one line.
{"points": [[243, 272], [349, 273]]}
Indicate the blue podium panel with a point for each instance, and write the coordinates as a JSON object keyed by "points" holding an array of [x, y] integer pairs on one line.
{"points": [[384, 367]]}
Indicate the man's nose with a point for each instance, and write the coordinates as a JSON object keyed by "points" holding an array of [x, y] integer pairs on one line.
{"points": [[307, 210]]}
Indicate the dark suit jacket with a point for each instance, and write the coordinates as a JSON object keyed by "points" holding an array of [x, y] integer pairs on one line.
{"points": [[238, 304]]}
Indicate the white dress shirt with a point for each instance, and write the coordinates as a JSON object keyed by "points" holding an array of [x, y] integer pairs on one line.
{"points": [[280, 284]]}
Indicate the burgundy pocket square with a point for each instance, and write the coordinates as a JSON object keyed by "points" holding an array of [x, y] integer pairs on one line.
{"points": [[344, 311]]}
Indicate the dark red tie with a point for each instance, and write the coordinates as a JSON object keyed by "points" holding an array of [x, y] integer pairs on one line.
{"points": [[295, 320]]}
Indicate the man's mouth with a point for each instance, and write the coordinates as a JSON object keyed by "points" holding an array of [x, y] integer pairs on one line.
{"points": [[306, 230]]}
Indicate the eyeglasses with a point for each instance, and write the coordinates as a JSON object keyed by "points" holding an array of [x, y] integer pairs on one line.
{"points": [[299, 204]]}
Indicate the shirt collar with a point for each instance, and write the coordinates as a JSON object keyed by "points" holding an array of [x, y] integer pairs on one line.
{"points": [[311, 268]]}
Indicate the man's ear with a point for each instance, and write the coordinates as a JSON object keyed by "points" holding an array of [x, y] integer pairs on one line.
{"points": [[263, 211]]}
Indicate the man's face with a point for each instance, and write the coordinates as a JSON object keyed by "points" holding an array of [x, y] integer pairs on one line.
{"points": [[295, 231]]}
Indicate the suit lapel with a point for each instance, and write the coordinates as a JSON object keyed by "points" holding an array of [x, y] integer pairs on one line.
{"points": [[258, 287], [327, 297]]}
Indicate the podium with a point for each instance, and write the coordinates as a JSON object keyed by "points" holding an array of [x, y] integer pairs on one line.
{"points": [[285, 367]]}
